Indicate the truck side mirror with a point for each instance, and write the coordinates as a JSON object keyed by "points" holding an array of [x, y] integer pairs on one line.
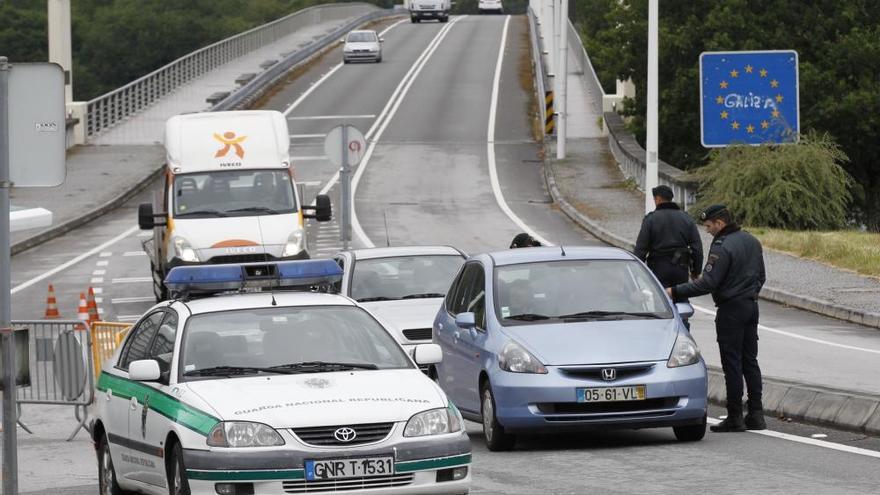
{"points": [[145, 216], [322, 209]]}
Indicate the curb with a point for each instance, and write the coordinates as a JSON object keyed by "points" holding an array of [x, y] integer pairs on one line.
{"points": [[846, 410], [818, 306]]}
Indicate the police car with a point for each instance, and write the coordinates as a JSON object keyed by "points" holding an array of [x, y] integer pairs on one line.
{"points": [[271, 391]]}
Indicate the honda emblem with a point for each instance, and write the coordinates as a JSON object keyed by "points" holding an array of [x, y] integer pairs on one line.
{"points": [[609, 374]]}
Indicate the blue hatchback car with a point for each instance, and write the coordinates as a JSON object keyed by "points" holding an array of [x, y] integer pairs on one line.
{"points": [[557, 339]]}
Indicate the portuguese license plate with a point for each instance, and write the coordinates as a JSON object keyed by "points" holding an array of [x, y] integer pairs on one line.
{"points": [[334, 469], [611, 394]]}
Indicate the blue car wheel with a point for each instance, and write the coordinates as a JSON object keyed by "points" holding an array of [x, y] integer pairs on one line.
{"points": [[496, 438]]}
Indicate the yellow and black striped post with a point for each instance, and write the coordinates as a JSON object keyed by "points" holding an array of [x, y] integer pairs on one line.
{"points": [[550, 119]]}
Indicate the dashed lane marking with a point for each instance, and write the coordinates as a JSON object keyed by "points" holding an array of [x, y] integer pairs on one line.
{"points": [[132, 280], [126, 300], [145, 234], [333, 117], [99, 272], [134, 253], [102, 263], [97, 280], [106, 254], [312, 158]]}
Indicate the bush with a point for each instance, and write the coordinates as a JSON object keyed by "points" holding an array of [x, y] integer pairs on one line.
{"points": [[799, 186]]}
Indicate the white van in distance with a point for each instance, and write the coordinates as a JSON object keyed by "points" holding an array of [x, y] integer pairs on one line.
{"points": [[229, 194]]}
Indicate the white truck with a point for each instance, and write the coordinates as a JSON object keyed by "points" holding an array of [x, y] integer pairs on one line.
{"points": [[429, 9], [229, 194]]}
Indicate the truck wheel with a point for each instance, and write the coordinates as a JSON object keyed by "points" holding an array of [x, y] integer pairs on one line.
{"points": [[415, 20], [444, 19]]}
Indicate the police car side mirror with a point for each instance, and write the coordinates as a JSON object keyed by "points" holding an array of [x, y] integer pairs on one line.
{"points": [[465, 320], [685, 310], [427, 354], [144, 370]]}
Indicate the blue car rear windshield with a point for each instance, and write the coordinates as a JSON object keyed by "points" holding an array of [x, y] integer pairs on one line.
{"points": [[577, 289]]}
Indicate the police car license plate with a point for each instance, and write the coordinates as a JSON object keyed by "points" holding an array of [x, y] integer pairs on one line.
{"points": [[611, 394], [334, 469]]}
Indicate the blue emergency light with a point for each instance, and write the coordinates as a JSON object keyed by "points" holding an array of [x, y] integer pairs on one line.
{"points": [[207, 279]]}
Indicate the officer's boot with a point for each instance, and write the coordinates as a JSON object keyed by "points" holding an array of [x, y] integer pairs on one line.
{"points": [[755, 417], [733, 422]]}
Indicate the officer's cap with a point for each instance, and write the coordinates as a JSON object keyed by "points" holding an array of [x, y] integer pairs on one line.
{"points": [[713, 211], [663, 191]]}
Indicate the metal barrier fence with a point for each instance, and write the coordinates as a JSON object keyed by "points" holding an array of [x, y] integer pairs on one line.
{"points": [[61, 367], [106, 337], [107, 110], [538, 64]]}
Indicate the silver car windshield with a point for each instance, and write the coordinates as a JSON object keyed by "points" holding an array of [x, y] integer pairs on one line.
{"points": [[286, 340], [361, 37], [403, 277], [233, 194], [577, 290]]}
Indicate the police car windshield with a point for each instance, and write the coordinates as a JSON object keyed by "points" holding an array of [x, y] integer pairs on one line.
{"points": [[577, 290], [403, 277], [294, 339], [233, 194]]}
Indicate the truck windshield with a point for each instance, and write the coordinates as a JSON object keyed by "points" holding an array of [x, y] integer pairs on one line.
{"points": [[233, 193]]}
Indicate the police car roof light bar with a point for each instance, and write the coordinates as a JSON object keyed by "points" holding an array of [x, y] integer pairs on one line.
{"points": [[211, 279]]}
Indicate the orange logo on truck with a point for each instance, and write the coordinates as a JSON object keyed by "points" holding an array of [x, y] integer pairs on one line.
{"points": [[230, 141]]}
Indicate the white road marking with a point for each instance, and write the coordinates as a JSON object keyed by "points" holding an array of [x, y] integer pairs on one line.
{"points": [[98, 290], [308, 158], [124, 300], [102, 263], [809, 441], [388, 112], [307, 136], [97, 280], [799, 337], [99, 300], [311, 183], [145, 234], [134, 253], [490, 146], [99, 272], [132, 280], [127, 318], [332, 117], [106, 254]]}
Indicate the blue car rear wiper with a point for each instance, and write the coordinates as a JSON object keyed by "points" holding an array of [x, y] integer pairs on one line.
{"points": [[585, 315]]}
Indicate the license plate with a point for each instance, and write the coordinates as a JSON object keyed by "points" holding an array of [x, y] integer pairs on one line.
{"points": [[334, 469], [611, 394]]}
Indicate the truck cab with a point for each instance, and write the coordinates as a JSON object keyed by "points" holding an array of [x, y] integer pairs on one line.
{"points": [[429, 9], [229, 194]]}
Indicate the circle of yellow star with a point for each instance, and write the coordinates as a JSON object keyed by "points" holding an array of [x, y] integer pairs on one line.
{"points": [[719, 100], [734, 73], [723, 84], [778, 98], [763, 72], [735, 125], [775, 113], [774, 83], [750, 128], [765, 124], [749, 69], [724, 114]]}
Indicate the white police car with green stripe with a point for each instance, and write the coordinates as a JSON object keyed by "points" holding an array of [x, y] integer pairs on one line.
{"points": [[272, 392]]}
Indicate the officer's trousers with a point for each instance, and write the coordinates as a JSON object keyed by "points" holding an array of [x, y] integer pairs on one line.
{"points": [[736, 324]]}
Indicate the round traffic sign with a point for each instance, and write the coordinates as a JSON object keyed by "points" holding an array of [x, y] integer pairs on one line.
{"points": [[353, 147]]}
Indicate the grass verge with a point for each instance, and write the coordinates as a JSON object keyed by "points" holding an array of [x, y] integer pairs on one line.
{"points": [[850, 250]]}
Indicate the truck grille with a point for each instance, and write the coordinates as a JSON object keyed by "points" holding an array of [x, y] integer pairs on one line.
{"points": [[325, 435], [417, 333], [351, 484], [243, 258]]}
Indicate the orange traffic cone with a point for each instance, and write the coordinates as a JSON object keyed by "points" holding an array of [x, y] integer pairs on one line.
{"points": [[92, 306], [82, 313], [51, 305]]}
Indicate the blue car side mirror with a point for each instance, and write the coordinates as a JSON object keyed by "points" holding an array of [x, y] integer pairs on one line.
{"points": [[465, 320], [685, 310]]}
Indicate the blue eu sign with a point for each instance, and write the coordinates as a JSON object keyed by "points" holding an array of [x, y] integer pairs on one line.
{"points": [[749, 98]]}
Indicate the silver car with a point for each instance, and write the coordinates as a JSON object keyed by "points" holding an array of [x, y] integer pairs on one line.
{"points": [[362, 46]]}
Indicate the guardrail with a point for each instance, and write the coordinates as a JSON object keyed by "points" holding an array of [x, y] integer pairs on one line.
{"points": [[108, 110], [538, 64]]}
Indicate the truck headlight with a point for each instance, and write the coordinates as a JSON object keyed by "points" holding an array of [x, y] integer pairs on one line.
{"points": [[243, 434], [294, 243], [516, 359], [434, 422], [184, 251], [685, 352]]}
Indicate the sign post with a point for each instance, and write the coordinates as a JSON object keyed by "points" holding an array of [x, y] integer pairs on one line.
{"points": [[32, 153], [345, 146], [749, 97]]}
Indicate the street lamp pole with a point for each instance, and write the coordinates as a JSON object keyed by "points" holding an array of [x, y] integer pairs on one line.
{"points": [[562, 82], [651, 159]]}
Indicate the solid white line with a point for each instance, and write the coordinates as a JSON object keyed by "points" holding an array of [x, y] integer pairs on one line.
{"points": [[403, 88], [132, 280], [332, 117], [123, 300], [74, 261], [490, 146], [809, 441], [799, 337], [134, 253], [309, 158], [307, 136]]}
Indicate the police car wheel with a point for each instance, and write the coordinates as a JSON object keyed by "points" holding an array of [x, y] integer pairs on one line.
{"points": [[692, 433], [496, 438], [177, 482], [107, 484]]}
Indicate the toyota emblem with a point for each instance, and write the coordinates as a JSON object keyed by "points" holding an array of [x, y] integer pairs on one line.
{"points": [[609, 374], [345, 434]]}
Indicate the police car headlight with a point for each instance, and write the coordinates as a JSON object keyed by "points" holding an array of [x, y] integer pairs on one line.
{"points": [[685, 352], [434, 422], [516, 359], [184, 251], [243, 434], [294, 243]]}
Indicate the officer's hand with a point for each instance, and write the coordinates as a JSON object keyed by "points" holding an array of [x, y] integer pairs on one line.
{"points": [[695, 276], [669, 291]]}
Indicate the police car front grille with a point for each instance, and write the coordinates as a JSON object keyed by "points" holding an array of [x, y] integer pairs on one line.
{"points": [[243, 258], [417, 333], [324, 435], [345, 485]]}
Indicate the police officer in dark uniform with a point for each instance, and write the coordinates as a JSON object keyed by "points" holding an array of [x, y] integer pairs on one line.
{"points": [[669, 241], [734, 275], [523, 240]]}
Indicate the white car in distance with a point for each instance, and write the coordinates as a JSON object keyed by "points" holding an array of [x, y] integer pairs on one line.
{"points": [[362, 46], [403, 286], [490, 7]]}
